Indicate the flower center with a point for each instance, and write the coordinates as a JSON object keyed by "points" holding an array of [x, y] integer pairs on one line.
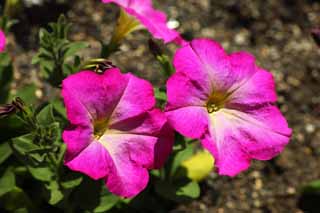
{"points": [[215, 102], [100, 127]]}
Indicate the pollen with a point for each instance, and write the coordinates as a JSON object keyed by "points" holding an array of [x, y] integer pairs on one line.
{"points": [[215, 102]]}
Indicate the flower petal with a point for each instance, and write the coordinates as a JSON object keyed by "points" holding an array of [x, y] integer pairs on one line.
{"points": [[189, 121], [76, 138], [137, 98], [259, 89], [2, 41], [154, 20], [229, 157], [152, 123], [182, 91], [93, 161], [206, 62], [236, 137], [131, 155], [89, 96]]}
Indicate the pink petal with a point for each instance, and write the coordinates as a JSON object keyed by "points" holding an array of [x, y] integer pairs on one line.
{"points": [[230, 159], [131, 155], [136, 98], [182, 91], [112, 96], [89, 96], [259, 89], [189, 121], [2, 41], [236, 137], [152, 123], [163, 146], [206, 62], [154, 20], [76, 138], [93, 161]]}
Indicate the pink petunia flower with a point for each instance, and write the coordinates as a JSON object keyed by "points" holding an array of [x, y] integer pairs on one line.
{"points": [[2, 41], [154, 20], [116, 133], [227, 102]]}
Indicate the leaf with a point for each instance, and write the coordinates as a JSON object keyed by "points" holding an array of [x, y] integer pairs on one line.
{"points": [[24, 144], [7, 182], [59, 108], [191, 190], [15, 199], [74, 47], [41, 173], [27, 93], [72, 180], [313, 186], [55, 193], [45, 116], [6, 76], [160, 95], [106, 201], [178, 191], [5, 151], [179, 157]]}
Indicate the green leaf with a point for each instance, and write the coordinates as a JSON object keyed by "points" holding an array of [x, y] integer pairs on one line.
{"points": [[74, 47], [21, 210], [72, 180], [15, 199], [5, 151], [41, 173], [24, 144], [106, 201], [55, 193], [27, 93], [59, 108], [160, 95], [178, 191], [7, 182], [179, 157], [45, 116], [6, 76], [191, 190], [313, 186]]}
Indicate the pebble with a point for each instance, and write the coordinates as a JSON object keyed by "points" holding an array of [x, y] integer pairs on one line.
{"points": [[310, 128]]}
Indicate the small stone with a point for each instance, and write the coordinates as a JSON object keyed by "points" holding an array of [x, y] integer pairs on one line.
{"points": [[291, 190], [39, 93], [257, 203], [310, 128], [173, 24], [258, 184]]}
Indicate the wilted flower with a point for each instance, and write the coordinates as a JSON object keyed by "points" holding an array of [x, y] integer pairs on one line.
{"points": [[115, 133], [2, 41], [154, 20], [227, 102]]}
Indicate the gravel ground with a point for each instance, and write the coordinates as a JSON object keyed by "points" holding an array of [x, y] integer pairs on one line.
{"points": [[275, 31]]}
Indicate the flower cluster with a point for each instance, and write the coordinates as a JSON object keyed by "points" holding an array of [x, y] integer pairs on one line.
{"points": [[225, 101]]}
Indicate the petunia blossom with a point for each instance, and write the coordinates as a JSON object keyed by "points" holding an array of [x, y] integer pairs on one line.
{"points": [[116, 133], [154, 20], [227, 102], [2, 41]]}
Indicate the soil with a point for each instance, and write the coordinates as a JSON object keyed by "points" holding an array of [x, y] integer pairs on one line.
{"points": [[277, 32]]}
